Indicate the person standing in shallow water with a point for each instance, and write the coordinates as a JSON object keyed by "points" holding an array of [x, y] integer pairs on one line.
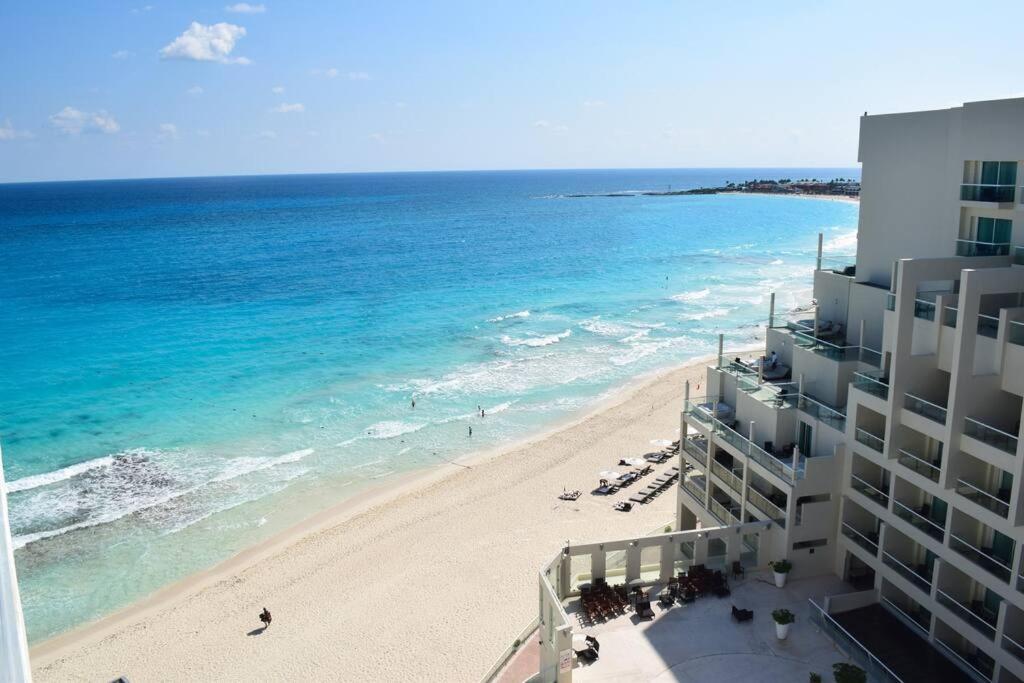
{"points": [[414, 404]]}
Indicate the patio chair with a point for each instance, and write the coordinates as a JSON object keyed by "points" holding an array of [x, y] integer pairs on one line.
{"points": [[737, 569], [741, 615], [588, 655]]}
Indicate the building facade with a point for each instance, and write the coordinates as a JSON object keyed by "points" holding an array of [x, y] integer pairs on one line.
{"points": [[883, 439]]}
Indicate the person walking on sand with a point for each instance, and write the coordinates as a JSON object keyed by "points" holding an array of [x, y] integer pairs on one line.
{"points": [[265, 618], [471, 431]]}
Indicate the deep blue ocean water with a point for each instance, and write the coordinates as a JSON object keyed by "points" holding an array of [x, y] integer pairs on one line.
{"points": [[189, 365]]}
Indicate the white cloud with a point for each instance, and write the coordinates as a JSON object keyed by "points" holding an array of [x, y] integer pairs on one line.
{"points": [[277, 89], [147, 8], [593, 104], [206, 43], [195, 90], [72, 121], [167, 131], [246, 8], [266, 135], [285, 108], [326, 73], [8, 132], [358, 76], [547, 125], [121, 54]]}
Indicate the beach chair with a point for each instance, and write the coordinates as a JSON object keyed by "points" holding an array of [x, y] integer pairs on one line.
{"points": [[638, 498]]}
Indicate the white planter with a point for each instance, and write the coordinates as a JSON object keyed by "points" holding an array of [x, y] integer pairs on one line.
{"points": [[782, 630], [780, 579]]}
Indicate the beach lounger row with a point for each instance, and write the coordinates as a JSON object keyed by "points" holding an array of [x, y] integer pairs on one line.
{"points": [[655, 488]]}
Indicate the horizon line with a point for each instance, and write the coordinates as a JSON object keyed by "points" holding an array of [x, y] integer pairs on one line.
{"points": [[421, 171]]}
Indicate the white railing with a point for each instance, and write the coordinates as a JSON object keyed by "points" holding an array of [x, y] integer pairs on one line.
{"points": [[848, 527], [511, 650], [951, 650], [872, 441], [916, 404], [971, 549], [872, 487], [991, 500], [965, 613], [932, 470], [918, 516], [906, 615], [14, 663], [1015, 649], [1004, 441]]}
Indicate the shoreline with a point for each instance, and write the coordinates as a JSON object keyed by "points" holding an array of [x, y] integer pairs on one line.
{"points": [[364, 507]]}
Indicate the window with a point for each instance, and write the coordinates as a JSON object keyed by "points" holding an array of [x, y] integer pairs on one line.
{"points": [[993, 230], [998, 172]]}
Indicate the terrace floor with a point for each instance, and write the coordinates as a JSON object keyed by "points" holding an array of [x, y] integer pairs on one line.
{"points": [[702, 642]]}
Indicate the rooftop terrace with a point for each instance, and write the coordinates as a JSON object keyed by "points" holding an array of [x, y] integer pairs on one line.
{"points": [[700, 641]]}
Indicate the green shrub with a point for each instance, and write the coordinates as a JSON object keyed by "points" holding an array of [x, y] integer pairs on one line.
{"points": [[848, 673]]}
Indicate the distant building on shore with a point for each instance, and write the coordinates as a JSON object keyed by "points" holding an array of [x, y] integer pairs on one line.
{"points": [[883, 444]]}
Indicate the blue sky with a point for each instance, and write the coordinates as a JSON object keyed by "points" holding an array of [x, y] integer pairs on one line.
{"points": [[151, 88]]}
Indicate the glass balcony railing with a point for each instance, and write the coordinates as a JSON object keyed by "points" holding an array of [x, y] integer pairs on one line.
{"points": [[1013, 647], [983, 498], [873, 492], [915, 617], [695, 489], [988, 326], [724, 514], [975, 248], [981, 558], [833, 417], [981, 664], [696, 449], [987, 193], [916, 519], [1016, 333], [872, 383], [918, 577], [766, 507], [728, 476], [930, 470], [868, 542], [824, 348], [979, 620], [870, 356], [949, 316], [924, 309], [1018, 254], [698, 410], [890, 301], [918, 405], [783, 469], [1004, 441], [872, 441]]}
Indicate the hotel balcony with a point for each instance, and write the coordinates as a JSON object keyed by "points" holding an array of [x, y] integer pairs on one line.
{"points": [[875, 383], [913, 458], [984, 485], [695, 447], [788, 468], [1013, 632], [700, 411], [870, 480], [988, 193], [860, 526], [972, 602], [920, 510], [966, 247], [870, 439], [723, 507], [767, 500], [933, 410], [963, 652], [728, 471], [906, 609], [981, 431], [909, 560], [821, 411], [983, 546], [696, 486]]}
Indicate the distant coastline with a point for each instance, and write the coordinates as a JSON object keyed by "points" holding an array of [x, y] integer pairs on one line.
{"points": [[839, 188]]}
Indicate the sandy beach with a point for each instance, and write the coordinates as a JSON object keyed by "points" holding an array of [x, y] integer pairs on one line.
{"points": [[427, 579]]}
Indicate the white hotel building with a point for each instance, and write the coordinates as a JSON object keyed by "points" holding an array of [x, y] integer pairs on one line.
{"points": [[889, 455]]}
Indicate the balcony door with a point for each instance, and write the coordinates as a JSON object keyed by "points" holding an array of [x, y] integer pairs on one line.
{"points": [[804, 440]]}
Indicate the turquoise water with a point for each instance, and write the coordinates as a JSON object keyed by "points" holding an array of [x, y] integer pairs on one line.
{"points": [[191, 365]]}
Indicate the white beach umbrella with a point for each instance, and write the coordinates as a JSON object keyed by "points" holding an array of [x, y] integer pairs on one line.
{"points": [[609, 474], [660, 442], [635, 462]]}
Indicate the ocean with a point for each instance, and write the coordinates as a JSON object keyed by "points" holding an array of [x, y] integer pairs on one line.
{"points": [[188, 366]]}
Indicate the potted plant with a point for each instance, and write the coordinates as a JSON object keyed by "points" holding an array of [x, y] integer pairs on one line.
{"points": [[783, 620], [848, 673], [781, 568]]}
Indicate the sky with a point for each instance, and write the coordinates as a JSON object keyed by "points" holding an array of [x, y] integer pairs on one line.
{"points": [[130, 89]]}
